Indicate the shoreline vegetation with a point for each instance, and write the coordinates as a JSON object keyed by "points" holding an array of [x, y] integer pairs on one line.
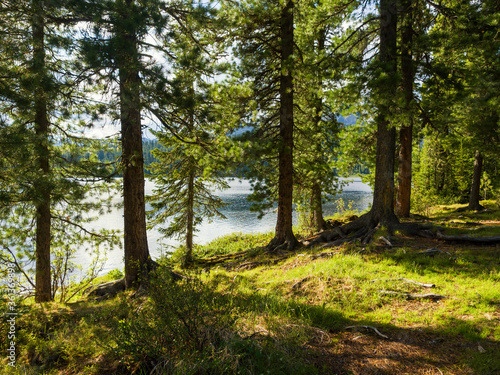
{"points": [[398, 305]]}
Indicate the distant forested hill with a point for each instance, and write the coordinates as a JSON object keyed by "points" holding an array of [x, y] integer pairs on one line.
{"points": [[113, 153]]}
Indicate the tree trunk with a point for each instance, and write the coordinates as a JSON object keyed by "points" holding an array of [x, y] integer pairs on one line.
{"points": [[43, 184], [135, 235], [188, 257], [383, 195], [405, 134], [317, 208], [316, 201], [476, 183], [284, 233]]}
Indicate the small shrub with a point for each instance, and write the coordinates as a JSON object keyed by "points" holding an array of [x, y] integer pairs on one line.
{"points": [[182, 321]]}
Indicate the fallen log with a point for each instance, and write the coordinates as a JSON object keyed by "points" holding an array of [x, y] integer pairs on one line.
{"points": [[480, 240]]}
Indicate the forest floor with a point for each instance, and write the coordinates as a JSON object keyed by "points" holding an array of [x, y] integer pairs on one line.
{"points": [[353, 309]]}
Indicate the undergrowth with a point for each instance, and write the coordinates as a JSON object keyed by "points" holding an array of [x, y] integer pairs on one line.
{"points": [[274, 318]]}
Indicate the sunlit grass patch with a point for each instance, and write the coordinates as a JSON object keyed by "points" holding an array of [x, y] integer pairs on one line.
{"points": [[232, 243], [276, 316]]}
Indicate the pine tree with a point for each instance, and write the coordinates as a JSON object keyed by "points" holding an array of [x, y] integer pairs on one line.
{"points": [[459, 95], [265, 36], [186, 171], [48, 170], [113, 49]]}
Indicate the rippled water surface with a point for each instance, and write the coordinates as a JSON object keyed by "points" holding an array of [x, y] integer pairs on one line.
{"points": [[239, 219]]}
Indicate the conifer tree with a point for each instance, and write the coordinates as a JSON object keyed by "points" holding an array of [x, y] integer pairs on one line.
{"points": [[44, 154], [265, 45], [186, 172], [113, 49], [459, 96]]}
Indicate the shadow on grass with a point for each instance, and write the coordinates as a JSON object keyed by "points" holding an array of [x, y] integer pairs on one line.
{"points": [[350, 346], [285, 336], [457, 259]]}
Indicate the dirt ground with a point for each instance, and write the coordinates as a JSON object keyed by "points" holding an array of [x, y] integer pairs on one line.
{"points": [[405, 352]]}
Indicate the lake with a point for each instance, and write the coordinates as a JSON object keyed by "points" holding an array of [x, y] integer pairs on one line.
{"points": [[239, 219]]}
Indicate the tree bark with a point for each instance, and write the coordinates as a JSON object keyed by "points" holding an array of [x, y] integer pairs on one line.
{"points": [[43, 184], [316, 201], [383, 195], [284, 233], [135, 235], [405, 134], [476, 183], [188, 256], [317, 208], [382, 211]]}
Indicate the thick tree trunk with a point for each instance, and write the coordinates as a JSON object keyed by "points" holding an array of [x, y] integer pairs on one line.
{"points": [[383, 195], [405, 134], [188, 257], [42, 203], [476, 183], [135, 235], [382, 211], [284, 233]]}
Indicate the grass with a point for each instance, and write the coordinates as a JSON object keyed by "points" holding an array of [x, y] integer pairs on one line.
{"points": [[297, 314]]}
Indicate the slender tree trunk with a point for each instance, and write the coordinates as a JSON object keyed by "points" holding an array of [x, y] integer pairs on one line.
{"points": [[284, 233], [476, 183], [405, 134], [383, 195], [43, 185], [317, 208], [188, 256], [190, 219], [135, 235], [316, 201]]}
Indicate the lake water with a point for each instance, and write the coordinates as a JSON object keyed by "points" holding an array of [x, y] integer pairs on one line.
{"points": [[239, 219]]}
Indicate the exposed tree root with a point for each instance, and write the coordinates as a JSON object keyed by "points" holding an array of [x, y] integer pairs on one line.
{"points": [[299, 283], [433, 251], [252, 265], [107, 290], [470, 208], [221, 258], [408, 281], [363, 229], [112, 288], [276, 244], [360, 230], [369, 328], [327, 254], [431, 296]]}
